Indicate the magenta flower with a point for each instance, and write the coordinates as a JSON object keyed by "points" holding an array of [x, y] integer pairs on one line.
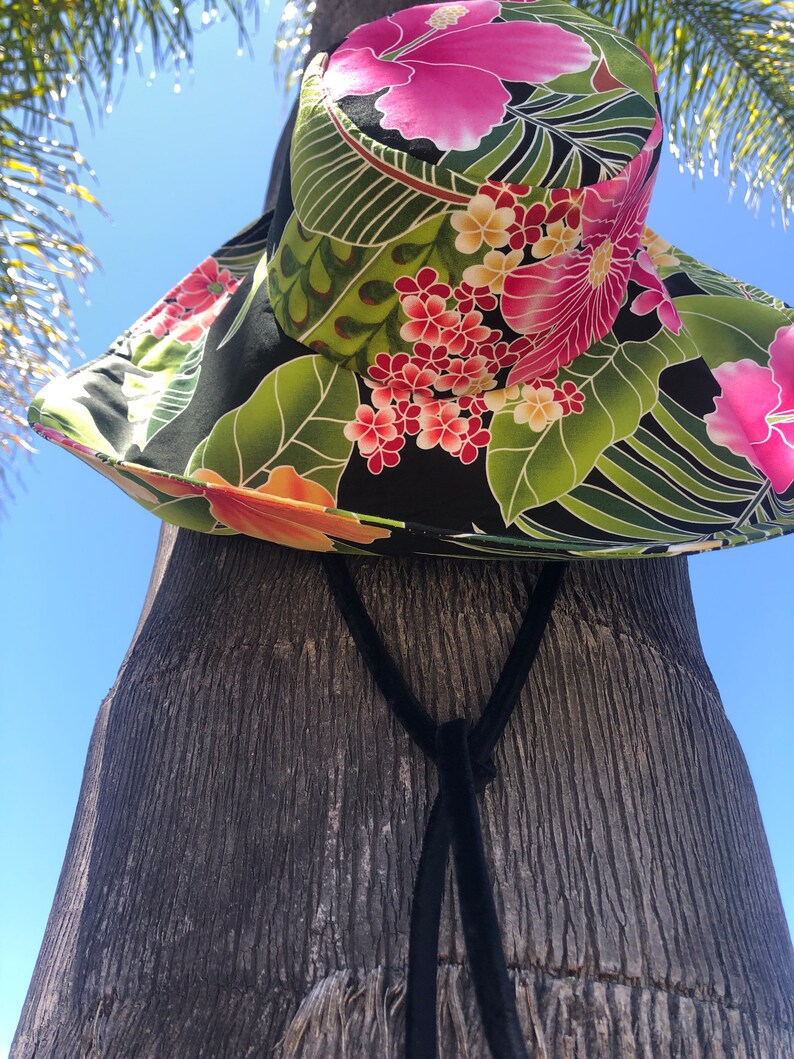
{"points": [[444, 64], [469, 376], [192, 326], [427, 356], [475, 438], [166, 320], [569, 301], [398, 378], [464, 333], [425, 285], [388, 455], [655, 296], [468, 298], [754, 415], [205, 284], [408, 414], [569, 398]]}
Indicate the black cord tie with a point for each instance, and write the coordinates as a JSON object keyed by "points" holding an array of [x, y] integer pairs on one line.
{"points": [[465, 768]]}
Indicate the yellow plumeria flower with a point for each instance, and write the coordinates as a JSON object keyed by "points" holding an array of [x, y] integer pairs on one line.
{"points": [[481, 222], [538, 407], [559, 238], [658, 248], [492, 272], [497, 399]]}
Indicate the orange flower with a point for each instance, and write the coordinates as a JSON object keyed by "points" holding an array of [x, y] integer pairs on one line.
{"points": [[288, 509]]}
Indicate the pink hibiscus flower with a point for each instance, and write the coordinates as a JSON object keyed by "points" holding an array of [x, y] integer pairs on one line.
{"points": [[754, 416], [570, 300], [204, 286], [444, 64]]}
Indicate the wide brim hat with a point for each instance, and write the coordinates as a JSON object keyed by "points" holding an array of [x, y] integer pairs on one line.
{"points": [[455, 335]]}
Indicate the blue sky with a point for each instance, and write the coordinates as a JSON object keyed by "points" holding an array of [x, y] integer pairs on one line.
{"points": [[179, 173]]}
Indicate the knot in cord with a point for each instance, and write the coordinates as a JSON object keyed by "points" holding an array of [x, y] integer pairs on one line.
{"points": [[465, 768], [483, 770]]}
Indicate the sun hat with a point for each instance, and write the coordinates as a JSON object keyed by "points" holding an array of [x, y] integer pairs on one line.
{"points": [[456, 336]]}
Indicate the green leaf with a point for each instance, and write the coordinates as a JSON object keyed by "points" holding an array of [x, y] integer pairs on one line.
{"points": [[188, 512], [731, 329], [159, 382], [335, 299], [561, 136], [688, 432], [295, 418], [620, 384], [654, 493], [711, 280], [63, 406], [259, 277], [363, 192]]}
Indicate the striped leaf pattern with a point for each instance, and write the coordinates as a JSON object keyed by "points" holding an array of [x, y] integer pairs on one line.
{"points": [[351, 188], [619, 383], [570, 140], [665, 483]]}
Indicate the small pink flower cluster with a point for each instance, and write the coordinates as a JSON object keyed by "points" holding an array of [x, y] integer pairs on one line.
{"points": [[189, 310], [438, 393], [566, 395], [541, 226]]}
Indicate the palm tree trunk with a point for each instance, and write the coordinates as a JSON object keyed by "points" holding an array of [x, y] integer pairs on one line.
{"points": [[239, 874]]}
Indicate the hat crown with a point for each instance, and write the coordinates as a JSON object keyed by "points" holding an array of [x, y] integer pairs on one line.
{"points": [[528, 92], [432, 248]]}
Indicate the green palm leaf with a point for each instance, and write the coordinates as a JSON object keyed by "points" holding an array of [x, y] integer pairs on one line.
{"points": [[726, 69], [50, 49]]}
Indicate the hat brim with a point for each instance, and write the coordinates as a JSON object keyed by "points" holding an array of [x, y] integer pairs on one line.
{"points": [[679, 445]]}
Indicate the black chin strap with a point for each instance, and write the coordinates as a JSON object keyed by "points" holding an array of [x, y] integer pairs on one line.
{"points": [[463, 759]]}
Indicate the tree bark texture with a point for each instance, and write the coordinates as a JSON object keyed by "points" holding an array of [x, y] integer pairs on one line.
{"points": [[239, 876]]}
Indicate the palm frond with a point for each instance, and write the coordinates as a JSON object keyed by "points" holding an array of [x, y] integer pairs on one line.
{"points": [[726, 69], [40, 251], [292, 40], [50, 49]]}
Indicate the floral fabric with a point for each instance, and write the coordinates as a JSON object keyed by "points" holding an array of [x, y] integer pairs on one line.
{"points": [[457, 336]]}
